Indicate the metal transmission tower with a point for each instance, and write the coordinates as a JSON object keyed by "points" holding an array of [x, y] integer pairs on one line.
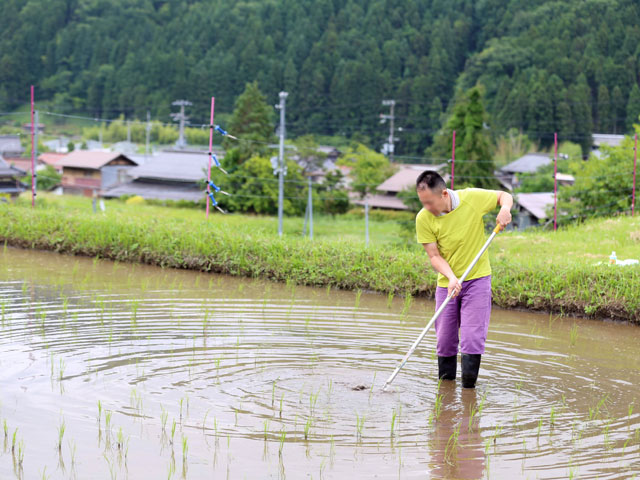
{"points": [[182, 119], [281, 165], [388, 148]]}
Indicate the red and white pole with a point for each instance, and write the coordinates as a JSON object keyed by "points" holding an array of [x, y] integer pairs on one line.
{"points": [[635, 160], [33, 154], [453, 158], [555, 182], [210, 153]]}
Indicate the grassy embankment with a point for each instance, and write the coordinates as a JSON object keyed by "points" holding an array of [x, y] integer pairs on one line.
{"points": [[538, 270]]}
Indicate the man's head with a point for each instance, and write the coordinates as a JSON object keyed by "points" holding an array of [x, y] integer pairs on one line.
{"points": [[432, 192]]}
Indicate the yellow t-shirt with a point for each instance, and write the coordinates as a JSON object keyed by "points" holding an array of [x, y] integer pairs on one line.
{"points": [[460, 233]]}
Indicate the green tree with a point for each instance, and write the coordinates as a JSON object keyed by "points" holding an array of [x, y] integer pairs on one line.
{"points": [[581, 109], [633, 108], [370, 168], [251, 123], [474, 163], [254, 188], [604, 110], [603, 185], [334, 198], [617, 109]]}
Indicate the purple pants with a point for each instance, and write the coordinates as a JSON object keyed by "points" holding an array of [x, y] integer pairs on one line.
{"points": [[467, 313]]}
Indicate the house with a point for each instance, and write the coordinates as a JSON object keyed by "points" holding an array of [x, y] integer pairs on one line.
{"points": [[10, 185], [604, 139], [53, 159], [532, 208], [404, 178], [10, 146], [529, 163], [168, 175], [13, 154], [85, 172]]}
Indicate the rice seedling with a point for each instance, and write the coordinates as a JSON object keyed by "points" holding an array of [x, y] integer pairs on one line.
{"points": [[99, 411], [372, 384], [173, 431], [307, 428], [281, 399], [390, 296], [313, 400], [107, 421], [120, 439], [21, 453], [185, 448], [266, 429], [359, 425], [394, 414], [273, 393], [5, 428], [451, 449], [552, 416], [44, 475], [539, 428], [472, 417], [164, 415], [171, 470], [408, 300], [72, 451], [204, 421], [596, 411], [61, 430], [62, 367], [13, 441], [437, 405], [573, 335], [496, 433], [606, 431], [283, 437], [358, 295]]}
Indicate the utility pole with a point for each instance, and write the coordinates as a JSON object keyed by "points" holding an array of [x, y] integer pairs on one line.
{"points": [[182, 119], [388, 148], [281, 106]]}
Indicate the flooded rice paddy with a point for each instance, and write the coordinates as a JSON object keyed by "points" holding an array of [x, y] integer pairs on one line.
{"points": [[122, 371]]}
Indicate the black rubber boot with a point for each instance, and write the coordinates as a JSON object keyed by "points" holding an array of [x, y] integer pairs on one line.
{"points": [[447, 367], [470, 367]]}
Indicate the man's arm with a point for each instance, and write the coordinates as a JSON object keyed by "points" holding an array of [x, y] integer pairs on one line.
{"points": [[505, 200], [442, 266]]}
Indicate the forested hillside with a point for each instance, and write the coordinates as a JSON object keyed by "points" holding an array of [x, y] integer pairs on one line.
{"points": [[568, 66]]}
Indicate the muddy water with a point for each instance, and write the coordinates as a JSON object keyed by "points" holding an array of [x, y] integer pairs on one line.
{"points": [[258, 378]]}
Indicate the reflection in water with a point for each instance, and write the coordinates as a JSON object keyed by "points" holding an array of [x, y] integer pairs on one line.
{"points": [[456, 445], [200, 375]]}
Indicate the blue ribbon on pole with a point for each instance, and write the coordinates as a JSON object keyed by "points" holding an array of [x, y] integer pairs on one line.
{"points": [[215, 204], [223, 132], [217, 188], [217, 163]]}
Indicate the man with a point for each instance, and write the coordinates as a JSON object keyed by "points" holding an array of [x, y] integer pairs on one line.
{"points": [[451, 229]]}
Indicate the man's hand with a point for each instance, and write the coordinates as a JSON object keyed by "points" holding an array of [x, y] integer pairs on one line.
{"points": [[454, 287], [504, 217], [505, 200]]}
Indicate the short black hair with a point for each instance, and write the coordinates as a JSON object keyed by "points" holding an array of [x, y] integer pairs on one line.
{"points": [[431, 180]]}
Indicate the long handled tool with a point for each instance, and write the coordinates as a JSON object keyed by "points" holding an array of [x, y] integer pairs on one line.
{"points": [[441, 309]]}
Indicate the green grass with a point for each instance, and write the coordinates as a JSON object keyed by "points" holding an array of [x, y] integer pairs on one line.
{"points": [[536, 270]]}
